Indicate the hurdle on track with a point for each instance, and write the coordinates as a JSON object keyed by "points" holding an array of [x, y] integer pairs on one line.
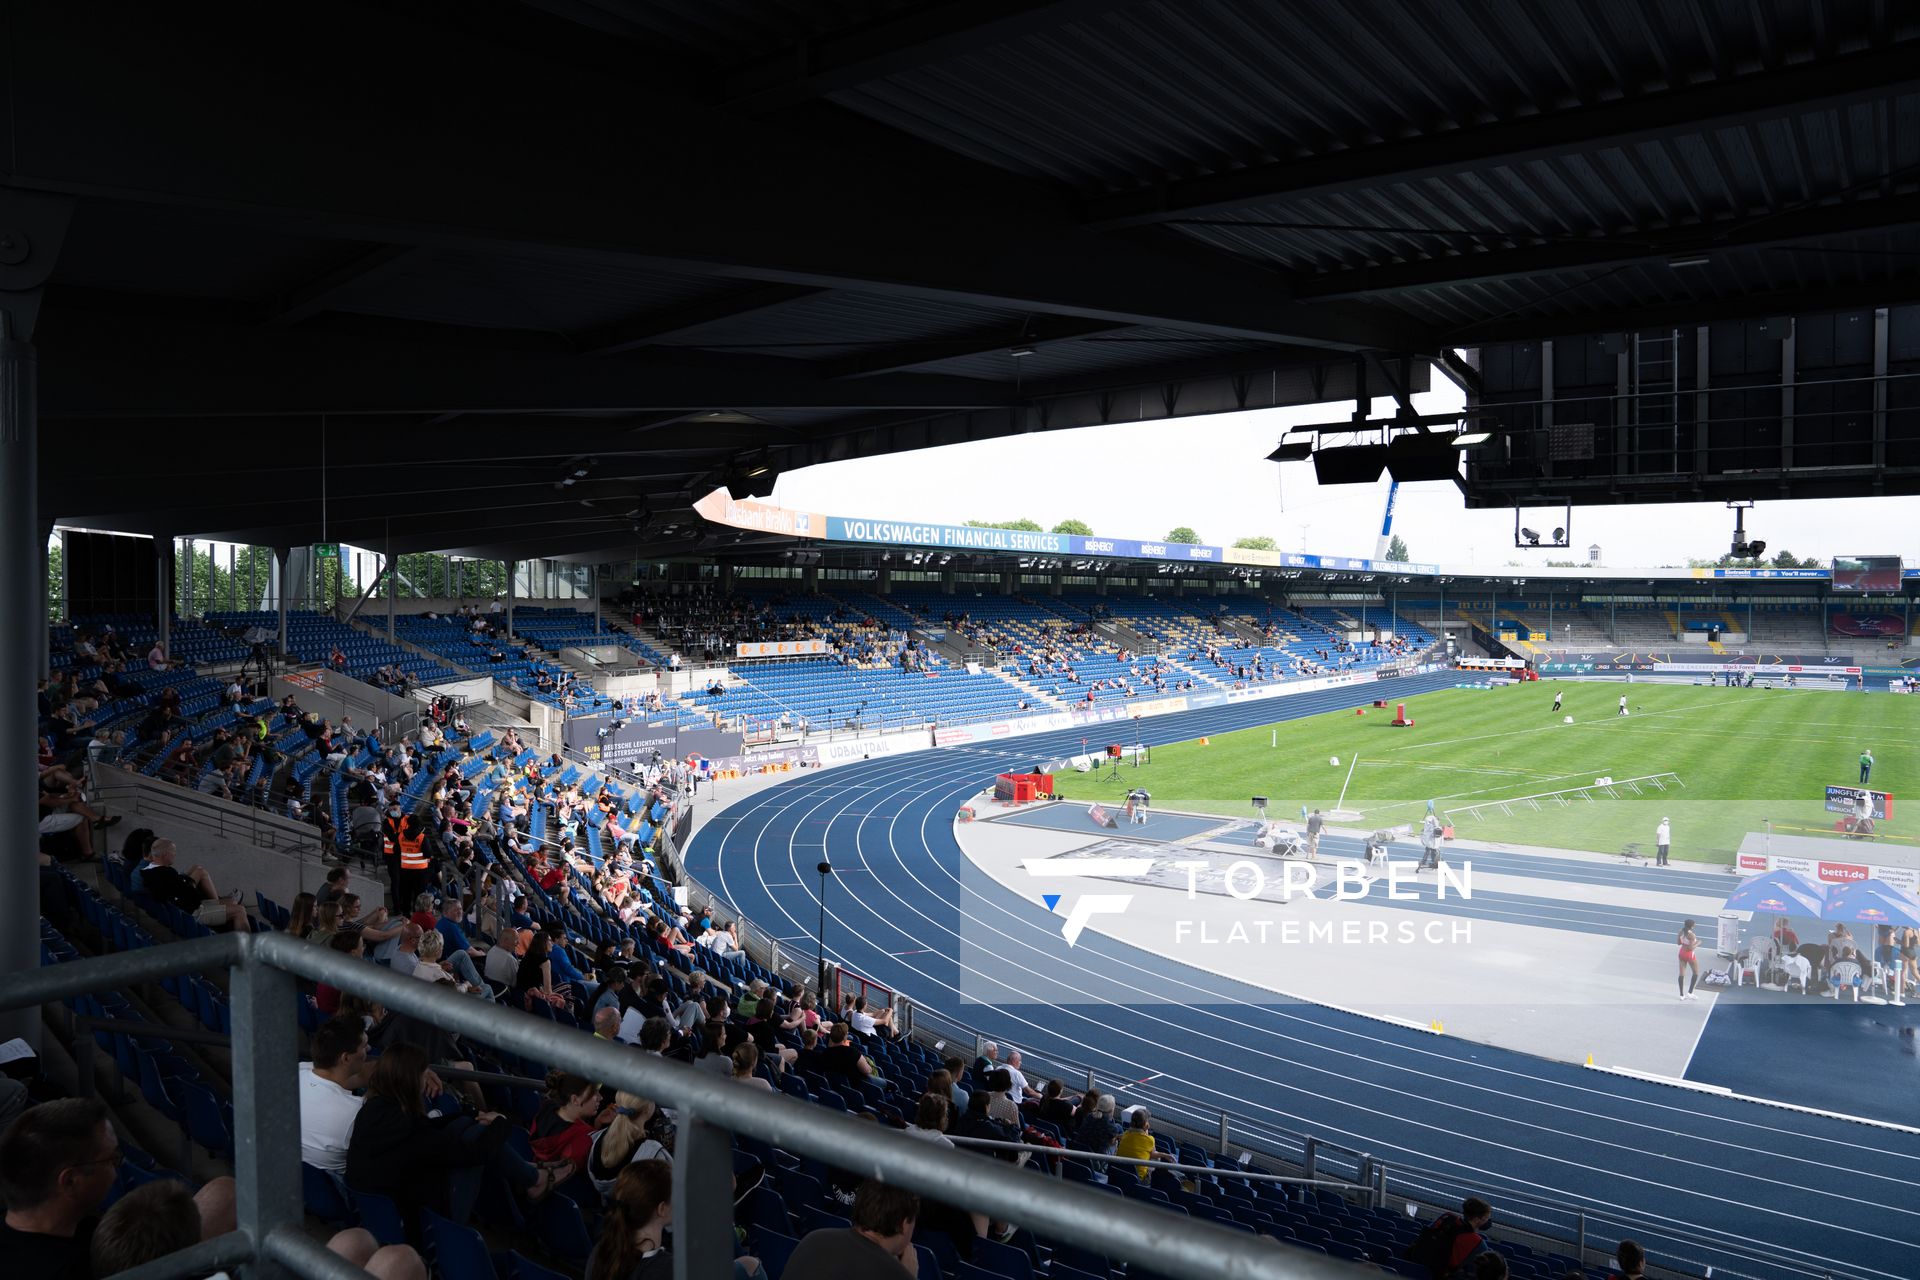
{"points": [[1610, 788]]}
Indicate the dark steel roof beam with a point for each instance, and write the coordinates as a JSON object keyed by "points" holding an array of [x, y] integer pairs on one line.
{"points": [[1685, 110], [100, 366], [832, 61], [1819, 222], [653, 327], [655, 183], [320, 294], [1822, 298], [1041, 331]]}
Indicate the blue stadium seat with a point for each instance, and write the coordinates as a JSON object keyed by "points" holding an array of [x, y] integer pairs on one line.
{"points": [[325, 1198], [458, 1252]]}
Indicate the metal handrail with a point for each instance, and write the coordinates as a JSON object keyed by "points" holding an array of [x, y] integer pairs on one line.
{"points": [[710, 1110], [1203, 1170]]}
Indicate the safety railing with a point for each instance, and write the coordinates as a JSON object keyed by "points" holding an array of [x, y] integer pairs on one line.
{"points": [[256, 825], [709, 1111]]}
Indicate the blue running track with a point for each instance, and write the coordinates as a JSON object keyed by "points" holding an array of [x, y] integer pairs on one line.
{"points": [[1700, 1178]]}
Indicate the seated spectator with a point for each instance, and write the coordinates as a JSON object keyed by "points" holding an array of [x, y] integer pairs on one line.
{"points": [[978, 1122], [427, 967], [1631, 1259], [632, 1244], [746, 1064], [930, 1119], [841, 1060], [333, 887], [1055, 1107], [459, 952], [533, 979], [1093, 1128], [58, 1161], [955, 1069], [870, 1022], [613, 994], [300, 916], [563, 1128], [350, 943], [996, 1086], [326, 923], [328, 1092], [1136, 1143], [637, 1132], [192, 892], [503, 961], [163, 1217], [1450, 1240], [396, 1149], [403, 950], [878, 1244]]}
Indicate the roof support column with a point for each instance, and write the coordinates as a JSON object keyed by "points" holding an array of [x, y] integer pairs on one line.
{"points": [[282, 561], [1879, 390], [510, 571], [19, 774], [393, 583], [1702, 402], [1788, 363], [43, 657], [165, 568]]}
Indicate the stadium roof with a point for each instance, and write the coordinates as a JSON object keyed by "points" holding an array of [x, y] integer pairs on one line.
{"points": [[461, 252]]}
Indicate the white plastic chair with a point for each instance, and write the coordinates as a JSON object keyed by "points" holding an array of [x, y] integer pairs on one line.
{"points": [[1795, 966], [1754, 960], [1844, 976]]}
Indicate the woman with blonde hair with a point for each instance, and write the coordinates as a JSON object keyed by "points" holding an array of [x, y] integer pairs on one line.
{"points": [[635, 1134], [324, 924]]}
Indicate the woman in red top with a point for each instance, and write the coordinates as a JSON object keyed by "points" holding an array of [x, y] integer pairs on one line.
{"points": [[569, 1114], [348, 943], [1688, 965]]}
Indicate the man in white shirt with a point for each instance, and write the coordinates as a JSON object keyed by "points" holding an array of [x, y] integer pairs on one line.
{"points": [[328, 1106], [1020, 1090], [405, 945], [503, 960], [157, 657], [1662, 838]]}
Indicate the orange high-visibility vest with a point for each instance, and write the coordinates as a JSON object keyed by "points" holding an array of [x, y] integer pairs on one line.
{"points": [[413, 855]]}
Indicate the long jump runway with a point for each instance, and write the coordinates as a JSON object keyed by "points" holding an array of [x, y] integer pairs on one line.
{"points": [[1701, 1178]]}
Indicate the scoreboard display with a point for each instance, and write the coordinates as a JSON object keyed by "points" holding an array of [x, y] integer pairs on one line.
{"points": [[1867, 575]]}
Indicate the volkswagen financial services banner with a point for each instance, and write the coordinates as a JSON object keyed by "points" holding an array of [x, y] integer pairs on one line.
{"points": [[719, 507], [952, 537], [635, 741]]}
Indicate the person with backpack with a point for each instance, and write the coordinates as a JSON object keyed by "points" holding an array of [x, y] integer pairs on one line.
{"points": [[1452, 1239]]}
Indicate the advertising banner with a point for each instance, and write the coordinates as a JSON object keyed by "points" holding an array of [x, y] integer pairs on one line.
{"points": [[635, 741], [1831, 870], [761, 517], [849, 750], [1847, 800]]}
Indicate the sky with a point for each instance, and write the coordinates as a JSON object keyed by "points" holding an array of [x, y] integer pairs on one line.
{"points": [[1140, 480]]}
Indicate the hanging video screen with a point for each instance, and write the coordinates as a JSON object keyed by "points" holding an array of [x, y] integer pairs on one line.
{"points": [[1866, 575]]}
